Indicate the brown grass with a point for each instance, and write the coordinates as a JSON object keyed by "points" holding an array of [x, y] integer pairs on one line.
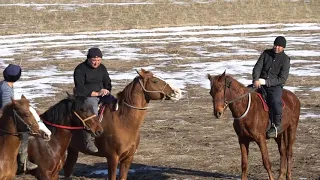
{"points": [[19, 19]]}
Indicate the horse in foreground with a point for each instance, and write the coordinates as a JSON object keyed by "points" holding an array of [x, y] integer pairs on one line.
{"points": [[121, 135], [17, 119], [251, 121], [71, 114]]}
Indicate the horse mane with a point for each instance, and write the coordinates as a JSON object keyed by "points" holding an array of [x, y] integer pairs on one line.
{"points": [[57, 113], [236, 85], [126, 95]]}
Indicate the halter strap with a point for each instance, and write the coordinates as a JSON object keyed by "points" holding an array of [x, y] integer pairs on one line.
{"points": [[16, 115], [72, 127]]}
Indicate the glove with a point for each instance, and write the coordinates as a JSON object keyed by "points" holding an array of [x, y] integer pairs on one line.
{"points": [[262, 81]]}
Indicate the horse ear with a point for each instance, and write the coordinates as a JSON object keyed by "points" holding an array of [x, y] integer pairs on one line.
{"points": [[224, 73], [69, 95], [13, 101], [23, 97], [209, 76], [138, 72]]}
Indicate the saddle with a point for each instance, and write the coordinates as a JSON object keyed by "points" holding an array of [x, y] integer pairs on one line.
{"points": [[262, 94]]}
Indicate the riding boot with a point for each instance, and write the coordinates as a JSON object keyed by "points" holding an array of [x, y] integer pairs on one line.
{"points": [[23, 161], [276, 127], [89, 143]]}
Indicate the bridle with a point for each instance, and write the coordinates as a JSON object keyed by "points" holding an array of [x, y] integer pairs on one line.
{"points": [[148, 91], [85, 126], [227, 85], [29, 127]]}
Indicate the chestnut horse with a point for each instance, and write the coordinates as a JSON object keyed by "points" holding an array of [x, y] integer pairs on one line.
{"points": [[121, 135], [251, 121], [16, 119], [72, 113]]}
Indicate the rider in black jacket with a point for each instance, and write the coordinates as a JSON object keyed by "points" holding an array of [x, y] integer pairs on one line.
{"points": [[272, 71], [92, 80]]}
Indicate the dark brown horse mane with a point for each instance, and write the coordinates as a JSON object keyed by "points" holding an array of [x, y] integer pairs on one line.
{"points": [[56, 114]]}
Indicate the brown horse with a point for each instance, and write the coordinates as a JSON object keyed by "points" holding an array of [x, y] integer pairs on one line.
{"points": [[121, 135], [72, 113], [15, 120], [251, 121]]}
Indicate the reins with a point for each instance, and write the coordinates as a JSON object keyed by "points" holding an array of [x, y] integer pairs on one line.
{"points": [[226, 103], [147, 91], [16, 115], [72, 127]]}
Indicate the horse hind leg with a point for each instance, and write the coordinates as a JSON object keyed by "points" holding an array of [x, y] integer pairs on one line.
{"points": [[282, 147], [291, 138], [72, 158], [124, 167]]}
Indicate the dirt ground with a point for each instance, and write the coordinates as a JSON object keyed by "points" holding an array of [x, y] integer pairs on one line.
{"points": [[182, 140]]}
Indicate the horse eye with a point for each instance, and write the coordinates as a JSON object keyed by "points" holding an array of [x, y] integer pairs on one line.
{"points": [[83, 110], [155, 81]]}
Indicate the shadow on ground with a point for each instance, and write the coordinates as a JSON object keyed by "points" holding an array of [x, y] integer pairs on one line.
{"points": [[141, 171]]}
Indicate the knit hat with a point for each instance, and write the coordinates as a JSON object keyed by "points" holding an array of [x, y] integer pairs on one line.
{"points": [[94, 52], [12, 73], [280, 41]]}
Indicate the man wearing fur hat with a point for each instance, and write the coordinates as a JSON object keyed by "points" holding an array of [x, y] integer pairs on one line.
{"points": [[12, 74], [92, 80], [271, 72]]}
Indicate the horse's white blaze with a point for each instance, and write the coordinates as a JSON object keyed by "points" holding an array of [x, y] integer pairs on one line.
{"points": [[42, 126], [177, 93]]}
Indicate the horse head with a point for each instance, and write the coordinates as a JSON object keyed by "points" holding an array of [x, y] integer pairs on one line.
{"points": [[156, 88], [27, 121], [219, 86], [84, 115]]}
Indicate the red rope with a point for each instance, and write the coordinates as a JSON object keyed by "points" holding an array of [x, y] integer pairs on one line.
{"points": [[63, 127]]}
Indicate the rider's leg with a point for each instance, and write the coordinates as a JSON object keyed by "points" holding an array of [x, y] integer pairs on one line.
{"points": [[23, 162], [88, 139], [276, 109]]}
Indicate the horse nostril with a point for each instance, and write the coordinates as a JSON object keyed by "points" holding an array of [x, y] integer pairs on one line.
{"points": [[219, 114]]}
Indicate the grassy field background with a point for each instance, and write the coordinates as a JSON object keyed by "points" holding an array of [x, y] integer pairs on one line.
{"points": [[161, 13]]}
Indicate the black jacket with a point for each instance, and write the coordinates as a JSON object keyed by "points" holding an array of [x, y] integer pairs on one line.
{"points": [[272, 67], [88, 79]]}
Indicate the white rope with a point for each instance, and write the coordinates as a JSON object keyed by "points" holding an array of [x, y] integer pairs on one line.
{"points": [[247, 110]]}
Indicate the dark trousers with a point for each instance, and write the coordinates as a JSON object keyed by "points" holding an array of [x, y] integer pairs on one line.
{"points": [[274, 100]]}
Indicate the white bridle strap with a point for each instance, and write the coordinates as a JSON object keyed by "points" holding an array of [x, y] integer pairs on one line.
{"points": [[247, 110]]}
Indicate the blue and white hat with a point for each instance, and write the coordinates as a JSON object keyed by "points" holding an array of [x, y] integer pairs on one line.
{"points": [[12, 73]]}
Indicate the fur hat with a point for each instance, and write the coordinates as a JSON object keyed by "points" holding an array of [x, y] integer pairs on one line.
{"points": [[94, 52], [12, 73], [280, 41]]}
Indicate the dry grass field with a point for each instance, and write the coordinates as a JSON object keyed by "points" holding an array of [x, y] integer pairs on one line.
{"points": [[180, 140]]}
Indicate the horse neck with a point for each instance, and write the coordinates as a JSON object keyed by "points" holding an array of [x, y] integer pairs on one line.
{"points": [[7, 123], [133, 96], [7, 140], [239, 106], [60, 140]]}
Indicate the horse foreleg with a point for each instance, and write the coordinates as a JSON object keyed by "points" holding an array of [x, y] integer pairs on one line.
{"points": [[283, 155], [244, 147], [112, 167], [124, 167], [71, 160], [265, 156]]}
